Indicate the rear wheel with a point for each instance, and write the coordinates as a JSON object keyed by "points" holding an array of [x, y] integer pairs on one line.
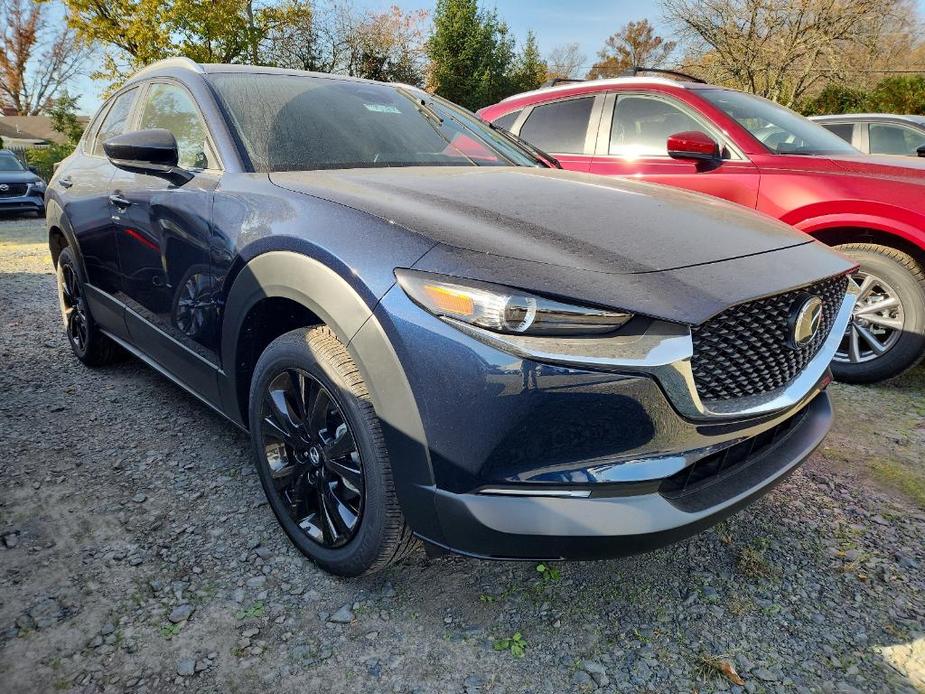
{"points": [[886, 335], [321, 457], [88, 343]]}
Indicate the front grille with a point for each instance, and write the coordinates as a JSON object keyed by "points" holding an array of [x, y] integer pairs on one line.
{"points": [[745, 350], [720, 465], [14, 190]]}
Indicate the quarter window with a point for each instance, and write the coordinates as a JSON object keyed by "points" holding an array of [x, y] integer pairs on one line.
{"points": [[507, 120], [894, 139], [115, 121], [560, 126], [170, 107], [844, 130], [641, 126]]}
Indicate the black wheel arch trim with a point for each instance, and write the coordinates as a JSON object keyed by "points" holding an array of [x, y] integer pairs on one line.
{"points": [[317, 287]]}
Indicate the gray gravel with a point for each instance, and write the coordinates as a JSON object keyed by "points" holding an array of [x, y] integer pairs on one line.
{"points": [[138, 554]]}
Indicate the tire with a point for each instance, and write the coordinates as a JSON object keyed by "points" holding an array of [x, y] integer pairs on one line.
{"points": [[893, 274], [88, 343], [304, 365]]}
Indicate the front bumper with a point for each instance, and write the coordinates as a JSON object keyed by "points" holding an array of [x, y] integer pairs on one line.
{"points": [[32, 201], [609, 524], [542, 455]]}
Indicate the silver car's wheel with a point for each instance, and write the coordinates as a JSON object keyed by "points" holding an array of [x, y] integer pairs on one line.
{"points": [[876, 324]]}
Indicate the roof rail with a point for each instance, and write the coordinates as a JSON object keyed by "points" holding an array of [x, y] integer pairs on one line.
{"points": [[560, 80], [634, 71], [180, 61]]}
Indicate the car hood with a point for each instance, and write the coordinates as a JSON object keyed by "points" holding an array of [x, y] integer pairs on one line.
{"points": [[558, 218], [18, 177]]}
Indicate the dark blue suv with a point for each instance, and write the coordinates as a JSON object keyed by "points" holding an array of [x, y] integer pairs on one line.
{"points": [[21, 189], [429, 330]]}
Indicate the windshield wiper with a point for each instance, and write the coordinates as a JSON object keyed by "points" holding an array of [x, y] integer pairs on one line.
{"points": [[523, 144], [422, 106]]}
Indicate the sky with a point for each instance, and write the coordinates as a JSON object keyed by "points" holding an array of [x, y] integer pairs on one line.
{"points": [[555, 22]]}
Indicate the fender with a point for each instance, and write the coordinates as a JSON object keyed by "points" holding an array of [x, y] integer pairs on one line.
{"points": [[320, 289], [55, 217], [896, 221]]}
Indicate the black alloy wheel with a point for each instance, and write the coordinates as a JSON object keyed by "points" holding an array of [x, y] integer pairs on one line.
{"points": [[76, 322], [313, 458], [87, 342], [321, 455], [194, 304]]}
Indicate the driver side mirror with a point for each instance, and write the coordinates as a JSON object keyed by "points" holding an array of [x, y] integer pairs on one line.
{"points": [[921, 151], [153, 152], [693, 144]]}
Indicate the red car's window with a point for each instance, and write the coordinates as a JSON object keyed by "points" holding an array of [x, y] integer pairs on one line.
{"points": [[641, 126], [559, 127]]}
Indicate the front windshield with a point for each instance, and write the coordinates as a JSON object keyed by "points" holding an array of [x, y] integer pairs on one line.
{"points": [[779, 129], [302, 123], [10, 163]]}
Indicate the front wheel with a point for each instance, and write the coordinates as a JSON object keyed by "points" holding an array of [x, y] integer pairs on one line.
{"points": [[886, 335], [321, 457]]}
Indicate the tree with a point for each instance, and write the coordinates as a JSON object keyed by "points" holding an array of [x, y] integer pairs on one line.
{"points": [[836, 98], [530, 69], [899, 94], [635, 45], [387, 46], [138, 32], [564, 61], [36, 64], [472, 55], [63, 120], [780, 49]]}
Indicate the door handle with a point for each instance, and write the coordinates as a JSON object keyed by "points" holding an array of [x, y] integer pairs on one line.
{"points": [[65, 182], [120, 202]]}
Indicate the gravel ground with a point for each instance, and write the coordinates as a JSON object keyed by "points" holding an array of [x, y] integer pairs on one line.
{"points": [[138, 554]]}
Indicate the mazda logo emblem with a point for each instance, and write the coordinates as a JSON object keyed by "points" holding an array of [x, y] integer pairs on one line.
{"points": [[315, 455], [805, 321], [4, 187]]}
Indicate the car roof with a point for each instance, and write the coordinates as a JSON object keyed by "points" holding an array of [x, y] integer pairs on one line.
{"points": [[595, 85], [171, 66], [849, 117]]}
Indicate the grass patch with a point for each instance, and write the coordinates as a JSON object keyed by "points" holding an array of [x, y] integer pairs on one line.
{"points": [[901, 477], [752, 563]]}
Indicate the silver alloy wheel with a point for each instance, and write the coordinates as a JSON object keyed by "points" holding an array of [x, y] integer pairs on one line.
{"points": [[876, 323]]}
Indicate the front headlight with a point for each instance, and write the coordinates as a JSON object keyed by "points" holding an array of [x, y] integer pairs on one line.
{"points": [[39, 186], [502, 309]]}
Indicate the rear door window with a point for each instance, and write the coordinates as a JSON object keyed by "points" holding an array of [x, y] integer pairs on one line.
{"points": [[559, 127], [115, 121]]}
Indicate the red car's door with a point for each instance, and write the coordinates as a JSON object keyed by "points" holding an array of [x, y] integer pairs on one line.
{"points": [[567, 129], [632, 141]]}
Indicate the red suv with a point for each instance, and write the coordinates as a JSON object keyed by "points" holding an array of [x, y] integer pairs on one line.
{"points": [[754, 152]]}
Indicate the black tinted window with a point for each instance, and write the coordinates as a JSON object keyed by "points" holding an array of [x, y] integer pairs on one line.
{"points": [[507, 121], [300, 123], [843, 130], [115, 121], [170, 107], [560, 126]]}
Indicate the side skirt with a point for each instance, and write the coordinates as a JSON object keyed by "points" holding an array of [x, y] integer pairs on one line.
{"points": [[164, 372]]}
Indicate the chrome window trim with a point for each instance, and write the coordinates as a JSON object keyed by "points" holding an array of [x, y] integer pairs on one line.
{"points": [[664, 351]]}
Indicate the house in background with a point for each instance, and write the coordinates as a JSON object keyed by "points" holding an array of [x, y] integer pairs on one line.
{"points": [[20, 133]]}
